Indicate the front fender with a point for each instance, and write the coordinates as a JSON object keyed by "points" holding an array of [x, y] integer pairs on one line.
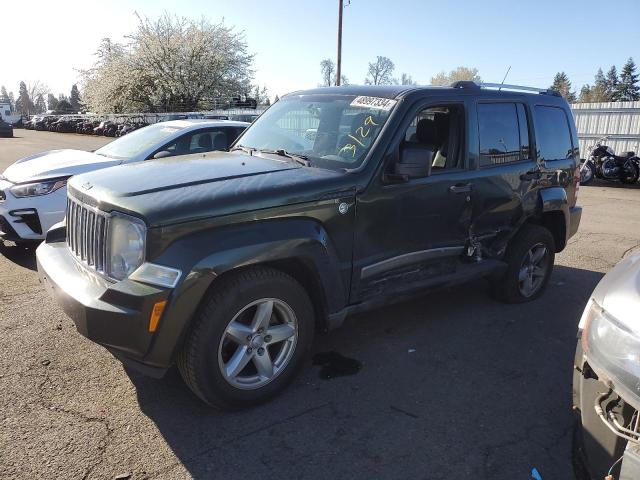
{"points": [[237, 246]]}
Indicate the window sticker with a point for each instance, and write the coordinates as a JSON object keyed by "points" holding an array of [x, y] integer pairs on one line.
{"points": [[376, 103]]}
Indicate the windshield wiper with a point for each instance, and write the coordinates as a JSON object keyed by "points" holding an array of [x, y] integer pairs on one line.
{"points": [[298, 157], [248, 150]]}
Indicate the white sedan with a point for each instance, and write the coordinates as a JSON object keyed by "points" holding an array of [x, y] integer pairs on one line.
{"points": [[33, 191]]}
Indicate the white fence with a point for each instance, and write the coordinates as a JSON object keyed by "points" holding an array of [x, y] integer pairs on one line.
{"points": [[620, 121]]}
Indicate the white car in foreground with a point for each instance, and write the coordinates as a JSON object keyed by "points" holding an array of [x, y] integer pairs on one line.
{"points": [[33, 191]]}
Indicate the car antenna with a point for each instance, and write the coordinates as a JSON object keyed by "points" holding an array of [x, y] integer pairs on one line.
{"points": [[505, 77]]}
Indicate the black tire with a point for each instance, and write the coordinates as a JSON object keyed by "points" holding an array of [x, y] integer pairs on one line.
{"points": [[592, 174], [198, 359], [507, 288], [633, 175]]}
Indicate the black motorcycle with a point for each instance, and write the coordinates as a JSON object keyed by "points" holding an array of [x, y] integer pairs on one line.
{"points": [[603, 163]]}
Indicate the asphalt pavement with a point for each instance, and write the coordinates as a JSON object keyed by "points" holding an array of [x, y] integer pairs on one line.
{"points": [[453, 385]]}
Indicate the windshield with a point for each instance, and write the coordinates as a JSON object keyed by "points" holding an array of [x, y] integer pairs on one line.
{"points": [[332, 131], [138, 141]]}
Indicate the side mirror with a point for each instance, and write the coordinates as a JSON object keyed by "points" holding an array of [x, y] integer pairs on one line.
{"points": [[415, 161], [162, 154]]}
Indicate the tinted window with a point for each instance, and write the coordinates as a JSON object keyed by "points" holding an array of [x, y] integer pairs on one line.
{"points": [[523, 123], [552, 133], [199, 142], [499, 133]]}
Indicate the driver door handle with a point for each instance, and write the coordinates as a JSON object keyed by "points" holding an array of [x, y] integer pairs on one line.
{"points": [[460, 188]]}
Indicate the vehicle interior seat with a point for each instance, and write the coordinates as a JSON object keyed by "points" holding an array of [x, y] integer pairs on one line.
{"points": [[204, 143], [421, 147], [219, 141], [441, 121]]}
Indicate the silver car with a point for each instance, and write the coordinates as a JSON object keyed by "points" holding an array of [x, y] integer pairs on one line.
{"points": [[606, 383]]}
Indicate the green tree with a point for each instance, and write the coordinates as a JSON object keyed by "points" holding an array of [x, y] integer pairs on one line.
{"points": [[74, 98], [40, 104], [24, 105], [52, 102], [4, 95], [562, 85], [599, 89], [628, 89], [276, 99], [585, 94], [612, 84], [64, 106]]}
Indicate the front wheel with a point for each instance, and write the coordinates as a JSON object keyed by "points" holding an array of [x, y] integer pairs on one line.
{"points": [[587, 173], [248, 340], [530, 258], [630, 174]]}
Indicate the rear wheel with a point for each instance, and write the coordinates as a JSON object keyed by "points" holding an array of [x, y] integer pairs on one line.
{"points": [[248, 340], [630, 174], [530, 259]]}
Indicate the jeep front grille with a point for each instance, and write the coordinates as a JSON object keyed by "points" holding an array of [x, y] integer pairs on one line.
{"points": [[87, 234]]}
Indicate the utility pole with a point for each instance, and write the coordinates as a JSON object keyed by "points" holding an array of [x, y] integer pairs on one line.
{"points": [[339, 63]]}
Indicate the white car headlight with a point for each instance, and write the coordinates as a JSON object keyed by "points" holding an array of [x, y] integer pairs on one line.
{"points": [[612, 349], [38, 188], [126, 247]]}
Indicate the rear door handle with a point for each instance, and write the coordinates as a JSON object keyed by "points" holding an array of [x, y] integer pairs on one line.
{"points": [[461, 188]]}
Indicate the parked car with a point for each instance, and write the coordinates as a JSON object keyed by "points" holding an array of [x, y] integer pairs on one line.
{"points": [[244, 117], [227, 263], [606, 377], [6, 129], [33, 189]]}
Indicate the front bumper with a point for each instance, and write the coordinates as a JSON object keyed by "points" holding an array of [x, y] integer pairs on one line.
{"points": [[29, 218], [596, 447], [575, 214], [114, 315]]}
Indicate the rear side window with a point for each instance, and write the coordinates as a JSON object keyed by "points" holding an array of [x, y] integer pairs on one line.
{"points": [[553, 136], [504, 136]]}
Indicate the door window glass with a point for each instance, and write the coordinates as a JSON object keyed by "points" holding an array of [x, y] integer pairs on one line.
{"points": [[553, 136], [499, 134], [200, 142]]}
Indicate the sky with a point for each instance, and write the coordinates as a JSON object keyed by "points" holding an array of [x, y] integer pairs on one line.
{"points": [[51, 40]]}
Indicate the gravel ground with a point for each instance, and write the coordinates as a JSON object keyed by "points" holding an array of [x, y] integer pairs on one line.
{"points": [[453, 385]]}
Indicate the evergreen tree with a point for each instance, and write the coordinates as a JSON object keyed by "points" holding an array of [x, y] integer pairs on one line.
{"points": [[24, 105], [74, 99], [562, 84], [41, 105], [599, 89], [52, 102], [64, 106], [12, 101], [628, 89], [612, 84], [4, 96], [585, 94], [276, 99]]}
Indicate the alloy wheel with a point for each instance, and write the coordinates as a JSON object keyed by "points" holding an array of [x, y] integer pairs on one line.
{"points": [[258, 343], [533, 270]]}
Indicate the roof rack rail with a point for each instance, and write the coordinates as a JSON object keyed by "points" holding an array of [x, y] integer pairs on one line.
{"points": [[502, 86]]}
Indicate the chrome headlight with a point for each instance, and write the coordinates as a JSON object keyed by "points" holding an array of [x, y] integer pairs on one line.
{"points": [[612, 348], [37, 189], [126, 247]]}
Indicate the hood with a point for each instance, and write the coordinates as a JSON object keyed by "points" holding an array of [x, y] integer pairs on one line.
{"points": [[56, 163], [619, 291], [180, 189]]}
